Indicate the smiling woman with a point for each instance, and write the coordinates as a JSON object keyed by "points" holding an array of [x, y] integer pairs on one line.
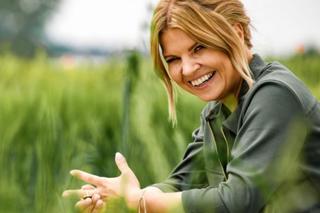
{"points": [[257, 115], [202, 71]]}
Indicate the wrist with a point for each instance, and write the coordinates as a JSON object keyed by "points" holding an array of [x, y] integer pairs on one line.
{"points": [[142, 205], [138, 199], [133, 198]]}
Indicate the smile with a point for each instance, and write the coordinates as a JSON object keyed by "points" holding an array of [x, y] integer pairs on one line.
{"points": [[203, 79]]}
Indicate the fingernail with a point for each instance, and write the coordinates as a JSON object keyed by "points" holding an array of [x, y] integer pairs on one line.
{"points": [[73, 172], [118, 156], [64, 194]]}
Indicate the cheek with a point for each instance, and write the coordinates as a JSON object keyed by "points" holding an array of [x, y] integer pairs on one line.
{"points": [[174, 75], [227, 72], [231, 79], [223, 82]]}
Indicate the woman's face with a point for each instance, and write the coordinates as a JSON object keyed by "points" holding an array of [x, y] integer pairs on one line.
{"points": [[202, 71]]}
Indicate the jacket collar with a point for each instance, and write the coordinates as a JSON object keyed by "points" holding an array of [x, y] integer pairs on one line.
{"points": [[257, 67]]}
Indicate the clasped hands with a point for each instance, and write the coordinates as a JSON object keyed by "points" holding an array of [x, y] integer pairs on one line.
{"points": [[95, 195]]}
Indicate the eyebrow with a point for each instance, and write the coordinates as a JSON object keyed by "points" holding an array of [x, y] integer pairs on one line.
{"points": [[189, 49]]}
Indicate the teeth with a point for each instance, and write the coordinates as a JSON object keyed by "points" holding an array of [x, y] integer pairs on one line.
{"points": [[202, 79]]}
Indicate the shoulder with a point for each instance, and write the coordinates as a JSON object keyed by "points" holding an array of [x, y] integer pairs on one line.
{"points": [[276, 98], [271, 102], [278, 81]]}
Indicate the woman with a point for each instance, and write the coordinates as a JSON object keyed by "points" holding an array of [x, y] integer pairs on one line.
{"points": [[257, 115]]}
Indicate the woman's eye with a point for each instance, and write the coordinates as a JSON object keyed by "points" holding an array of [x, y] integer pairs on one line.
{"points": [[198, 48], [170, 60]]}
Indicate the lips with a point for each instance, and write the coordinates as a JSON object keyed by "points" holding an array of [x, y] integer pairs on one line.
{"points": [[202, 80]]}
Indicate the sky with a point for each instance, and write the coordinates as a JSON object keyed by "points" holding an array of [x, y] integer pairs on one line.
{"points": [[280, 26]]}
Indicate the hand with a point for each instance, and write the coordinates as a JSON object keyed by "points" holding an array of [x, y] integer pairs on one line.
{"points": [[126, 185], [90, 205]]}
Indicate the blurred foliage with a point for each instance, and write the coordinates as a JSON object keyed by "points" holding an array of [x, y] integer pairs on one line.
{"points": [[305, 66], [57, 117], [22, 24]]}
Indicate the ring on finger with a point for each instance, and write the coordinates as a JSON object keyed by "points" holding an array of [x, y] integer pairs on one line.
{"points": [[87, 194]]}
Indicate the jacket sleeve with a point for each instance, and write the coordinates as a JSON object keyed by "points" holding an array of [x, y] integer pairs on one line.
{"points": [[258, 154], [190, 172]]}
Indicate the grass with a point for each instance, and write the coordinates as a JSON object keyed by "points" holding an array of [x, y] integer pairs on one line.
{"points": [[54, 119]]}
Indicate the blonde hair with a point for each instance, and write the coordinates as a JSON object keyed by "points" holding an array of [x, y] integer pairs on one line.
{"points": [[209, 22]]}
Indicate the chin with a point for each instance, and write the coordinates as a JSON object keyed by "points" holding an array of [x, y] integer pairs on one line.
{"points": [[208, 99]]}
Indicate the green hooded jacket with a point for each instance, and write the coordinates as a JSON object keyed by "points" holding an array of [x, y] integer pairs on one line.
{"points": [[262, 157]]}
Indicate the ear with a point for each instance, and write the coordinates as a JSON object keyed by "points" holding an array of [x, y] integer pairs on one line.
{"points": [[239, 30]]}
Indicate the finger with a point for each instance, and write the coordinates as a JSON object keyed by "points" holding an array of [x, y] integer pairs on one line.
{"points": [[87, 177], [84, 204], [78, 192], [71, 192], [122, 163], [87, 186], [95, 198], [99, 206]]}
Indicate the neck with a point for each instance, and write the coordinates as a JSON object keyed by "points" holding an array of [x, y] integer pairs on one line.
{"points": [[230, 102]]}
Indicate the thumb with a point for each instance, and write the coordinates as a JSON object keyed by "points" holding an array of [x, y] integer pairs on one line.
{"points": [[121, 163]]}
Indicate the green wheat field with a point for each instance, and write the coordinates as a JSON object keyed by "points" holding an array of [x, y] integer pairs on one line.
{"points": [[54, 118]]}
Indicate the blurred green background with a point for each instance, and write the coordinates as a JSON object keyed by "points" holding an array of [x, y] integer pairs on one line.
{"points": [[56, 117], [61, 110]]}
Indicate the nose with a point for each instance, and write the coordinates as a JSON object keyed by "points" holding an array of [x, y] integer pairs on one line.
{"points": [[189, 66]]}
